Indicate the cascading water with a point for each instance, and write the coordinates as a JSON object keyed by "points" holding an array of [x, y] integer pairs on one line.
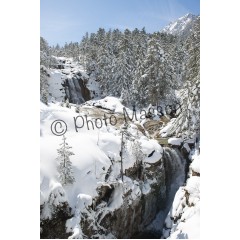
{"points": [[174, 167], [74, 90], [75, 95]]}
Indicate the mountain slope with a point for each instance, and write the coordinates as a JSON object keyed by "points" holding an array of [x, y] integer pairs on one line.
{"points": [[181, 26]]}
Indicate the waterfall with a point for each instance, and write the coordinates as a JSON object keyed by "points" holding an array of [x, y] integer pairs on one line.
{"points": [[174, 165], [174, 168], [76, 91]]}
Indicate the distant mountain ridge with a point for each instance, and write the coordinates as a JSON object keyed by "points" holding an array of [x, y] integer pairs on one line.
{"points": [[181, 26]]}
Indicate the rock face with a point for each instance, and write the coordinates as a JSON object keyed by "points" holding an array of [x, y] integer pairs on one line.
{"points": [[134, 215], [55, 228], [131, 218]]}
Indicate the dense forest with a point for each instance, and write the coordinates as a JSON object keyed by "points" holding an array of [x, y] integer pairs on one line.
{"points": [[139, 67]]}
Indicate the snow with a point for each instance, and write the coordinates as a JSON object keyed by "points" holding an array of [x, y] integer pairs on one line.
{"points": [[193, 188], [73, 226], [92, 150], [146, 188], [172, 26], [186, 146], [57, 195], [83, 200], [132, 185], [176, 206], [93, 86], [190, 141], [195, 166], [55, 84], [175, 141], [111, 103], [164, 132], [117, 198], [84, 145], [149, 146], [188, 229], [177, 27]]}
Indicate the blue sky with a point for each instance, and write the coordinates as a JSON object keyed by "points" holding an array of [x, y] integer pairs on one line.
{"points": [[68, 20]]}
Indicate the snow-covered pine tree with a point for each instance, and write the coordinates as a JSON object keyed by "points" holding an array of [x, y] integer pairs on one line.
{"points": [[154, 70], [139, 156], [72, 50], [44, 51], [142, 68], [139, 83], [179, 60], [45, 61], [187, 124], [83, 48], [91, 53], [104, 65], [44, 84], [137, 151], [125, 65], [65, 170]]}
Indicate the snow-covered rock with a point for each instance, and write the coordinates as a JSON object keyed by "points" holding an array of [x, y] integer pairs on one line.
{"points": [[186, 147], [195, 166], [175, 141], [111, 103]]}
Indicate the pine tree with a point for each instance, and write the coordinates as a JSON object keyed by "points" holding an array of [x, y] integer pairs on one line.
{"points": [[137, 151], [44, 84], [65, 165], [44, 53], [124, 67], [187, 124], [154, 71], [83, 49], [139, 67], [139, 157], [138, 85]]}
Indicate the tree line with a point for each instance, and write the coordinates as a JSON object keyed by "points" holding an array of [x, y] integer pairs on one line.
{"points": [[139, 67]]}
